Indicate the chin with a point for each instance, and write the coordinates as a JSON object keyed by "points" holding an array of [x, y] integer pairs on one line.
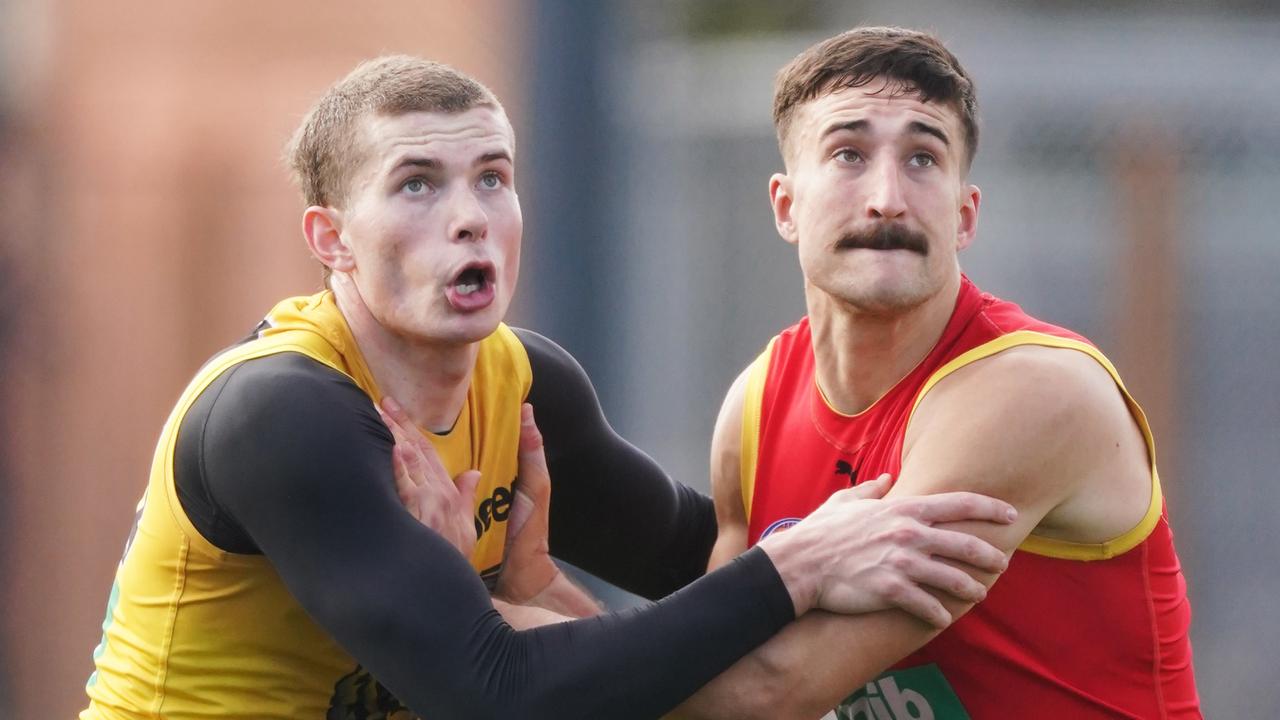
{"points": [[884, 297], [471, 328]]}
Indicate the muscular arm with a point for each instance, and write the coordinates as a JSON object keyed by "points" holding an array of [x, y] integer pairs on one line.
{"points": [[614, 512], [293, 457], [1044, 429]]}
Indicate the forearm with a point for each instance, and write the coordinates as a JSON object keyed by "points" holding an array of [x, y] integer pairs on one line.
{"points": [[822, 658], [808, 668]]}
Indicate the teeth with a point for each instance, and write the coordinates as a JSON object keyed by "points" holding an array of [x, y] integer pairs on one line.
{"points": [[467, 288]]}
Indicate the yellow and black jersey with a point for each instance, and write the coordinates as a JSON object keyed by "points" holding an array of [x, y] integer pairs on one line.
{"points": [[272, 572], [199, 613]]}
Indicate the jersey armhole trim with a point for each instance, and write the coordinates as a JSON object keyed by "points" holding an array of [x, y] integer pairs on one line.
{"points": [[1053, 547], [752, 407]]}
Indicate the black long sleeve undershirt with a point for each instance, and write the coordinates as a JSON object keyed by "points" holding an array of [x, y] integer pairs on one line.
{"points": [[614, 512], [291, 460]]}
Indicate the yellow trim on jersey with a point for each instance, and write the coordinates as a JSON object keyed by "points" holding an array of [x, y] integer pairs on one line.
{"points": [[751, 409], [1052, 547]]}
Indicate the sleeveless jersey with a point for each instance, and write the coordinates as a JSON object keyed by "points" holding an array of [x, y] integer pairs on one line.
{"points": [[195, 631], [1069, 630]]}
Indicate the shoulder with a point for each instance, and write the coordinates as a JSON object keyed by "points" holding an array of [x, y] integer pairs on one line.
{"points": [[541, 347], [1039, 385], [280, 393], [726, 447], [555, 372], [729, 420], [1034, 425]]}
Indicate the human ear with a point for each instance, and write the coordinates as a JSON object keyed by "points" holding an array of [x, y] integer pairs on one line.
{"points": [[322, 228], [968, 228], [781, 201]]}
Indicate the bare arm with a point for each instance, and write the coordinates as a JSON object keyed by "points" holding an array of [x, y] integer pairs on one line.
{"points": [[726, 483], [1033, 426]]}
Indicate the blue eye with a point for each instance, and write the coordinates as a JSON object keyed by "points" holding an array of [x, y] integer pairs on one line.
{"points": [[415, 185], [922, 160], [491, 180]]}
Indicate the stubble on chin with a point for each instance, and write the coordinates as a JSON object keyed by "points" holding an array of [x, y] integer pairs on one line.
{"points": [[879, 297]]}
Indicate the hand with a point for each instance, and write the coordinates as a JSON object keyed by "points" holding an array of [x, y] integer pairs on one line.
{"points": [[859, 553], [446, 506], [527, 567]]}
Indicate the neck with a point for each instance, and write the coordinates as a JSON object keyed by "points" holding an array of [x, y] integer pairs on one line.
{"points": [[429, 380], [861, 355]]}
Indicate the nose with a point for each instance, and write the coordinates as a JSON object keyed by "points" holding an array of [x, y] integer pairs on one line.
{"points": [[885, 200], [468, 220]]}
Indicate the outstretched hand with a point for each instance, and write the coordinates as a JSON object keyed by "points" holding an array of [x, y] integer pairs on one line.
{"points": [[422, 482]]}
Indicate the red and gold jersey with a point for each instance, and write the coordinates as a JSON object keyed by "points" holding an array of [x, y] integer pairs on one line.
{"points": [[1070, 630]]}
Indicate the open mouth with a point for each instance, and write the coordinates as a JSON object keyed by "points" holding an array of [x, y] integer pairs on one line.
{"points": [[472, 288], [474, 278]]}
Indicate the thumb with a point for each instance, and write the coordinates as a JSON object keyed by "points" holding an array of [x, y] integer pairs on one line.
{"points": [[522, 507], [466, 483], [873, 489], [533, 462]]}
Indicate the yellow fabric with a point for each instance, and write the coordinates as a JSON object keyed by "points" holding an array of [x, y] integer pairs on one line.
{"points": [[753, 402], [1052, 547], [196, 632]]}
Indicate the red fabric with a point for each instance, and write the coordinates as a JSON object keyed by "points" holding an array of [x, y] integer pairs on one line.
{"points": [[1055, 638]]}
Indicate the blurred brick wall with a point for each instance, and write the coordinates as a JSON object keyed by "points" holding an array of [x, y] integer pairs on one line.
{"points": [[159, 225]]}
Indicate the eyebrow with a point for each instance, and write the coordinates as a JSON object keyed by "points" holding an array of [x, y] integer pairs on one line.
{"points": [[919, 127], [495, 155], [850, 126], [433, 164], [914, 127], [421, 162]]}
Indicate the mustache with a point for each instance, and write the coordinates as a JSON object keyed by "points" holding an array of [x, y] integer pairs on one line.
{"points": [[885, 237]]}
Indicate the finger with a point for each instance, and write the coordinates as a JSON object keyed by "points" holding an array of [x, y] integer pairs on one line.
{"points": [[400, 424], [534, 478], [404, 478], [530, 435], [916, 601], [397, 432], [946, 578], [872, 489], [965, 548], [956, 506], [404, 449], [415, 464], [406, 432]]}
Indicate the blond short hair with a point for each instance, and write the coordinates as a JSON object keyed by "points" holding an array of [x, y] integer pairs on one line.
{"points": [[325, 150]]}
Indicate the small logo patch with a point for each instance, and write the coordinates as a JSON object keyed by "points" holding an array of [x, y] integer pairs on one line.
{"points": [[844, 468], [778, 525]]}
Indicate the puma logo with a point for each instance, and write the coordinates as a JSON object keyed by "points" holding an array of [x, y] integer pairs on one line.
{"points": [[844, 468]]}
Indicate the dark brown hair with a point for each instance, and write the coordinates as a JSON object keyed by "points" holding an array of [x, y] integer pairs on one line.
{"points": [[910, 61], [325, 149]]}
